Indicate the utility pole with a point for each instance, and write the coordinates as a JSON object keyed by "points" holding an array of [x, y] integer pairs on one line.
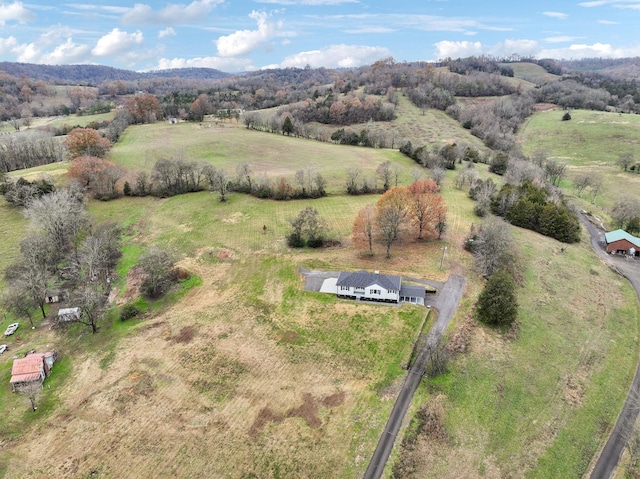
{"points": [[442, 259]]}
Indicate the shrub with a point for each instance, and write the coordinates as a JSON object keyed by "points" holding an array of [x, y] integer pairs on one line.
{"points": [[128, 311], [566, 117]]}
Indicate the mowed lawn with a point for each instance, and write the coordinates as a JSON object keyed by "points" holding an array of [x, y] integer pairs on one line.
{"points": [[226, 146]]}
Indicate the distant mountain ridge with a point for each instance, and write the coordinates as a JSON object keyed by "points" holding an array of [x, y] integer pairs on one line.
{"points": [[94, 74]]}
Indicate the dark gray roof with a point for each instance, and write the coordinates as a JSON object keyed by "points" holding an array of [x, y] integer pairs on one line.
{"points": [[362, 279], [413, 291]]}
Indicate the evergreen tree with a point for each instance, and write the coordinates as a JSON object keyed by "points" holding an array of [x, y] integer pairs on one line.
{"points": [[287, 126], [498, 303]]}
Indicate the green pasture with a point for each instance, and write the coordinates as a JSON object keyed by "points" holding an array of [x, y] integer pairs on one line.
{"points": [[532, 73], [225, 146], [189, 222], [539, 405], [434, 127], [589, 139], [74, 120], [591, 142], [12, 228]]}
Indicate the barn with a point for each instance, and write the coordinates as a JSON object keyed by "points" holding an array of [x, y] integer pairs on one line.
{"points": [[621, 242]]}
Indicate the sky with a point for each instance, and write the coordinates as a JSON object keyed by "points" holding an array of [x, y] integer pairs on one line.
{"points": [[247, 35]]}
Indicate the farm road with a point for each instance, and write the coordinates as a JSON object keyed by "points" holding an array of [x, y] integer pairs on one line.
{"points": [[446, 302], [610, 455]]}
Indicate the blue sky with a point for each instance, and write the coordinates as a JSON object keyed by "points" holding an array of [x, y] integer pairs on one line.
{"points": [[247, 35]]}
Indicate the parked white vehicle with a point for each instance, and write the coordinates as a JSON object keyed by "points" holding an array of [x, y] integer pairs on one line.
{"points": [[3, 348], [11, 329]]}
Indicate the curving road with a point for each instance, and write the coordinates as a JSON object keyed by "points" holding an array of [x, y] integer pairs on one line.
{"points": [[446, 303], [610, 455]]}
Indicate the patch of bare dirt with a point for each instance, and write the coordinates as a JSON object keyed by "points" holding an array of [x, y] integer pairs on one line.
{"points": [[545, 107], [289, 337], [573, 391], [308, 411], [134, 280], [459, 342], [185, 335]]}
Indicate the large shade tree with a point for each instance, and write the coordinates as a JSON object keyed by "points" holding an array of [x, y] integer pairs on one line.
{"points": [[392, 215], [86, 142]]}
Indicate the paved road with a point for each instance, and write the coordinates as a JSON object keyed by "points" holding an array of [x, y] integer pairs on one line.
{"points": [[446, 303], [610, 455]]}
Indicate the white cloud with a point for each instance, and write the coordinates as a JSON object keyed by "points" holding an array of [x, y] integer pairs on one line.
{"points": [[244, 41], [15, 11], [608, 22], [336, 56], [577, 51], [308, 2], [559, 39], [632, 4], [167, 32], [371, 30], [224, 64], [558, 15], [67, 53], [54, 47], [116, 41], [519, 46], [8, 45], [448, 49], [172, 14]]}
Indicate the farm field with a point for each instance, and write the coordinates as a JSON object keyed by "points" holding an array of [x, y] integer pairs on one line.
{"points": [[590, 142], [225, 146], [249, 376]]}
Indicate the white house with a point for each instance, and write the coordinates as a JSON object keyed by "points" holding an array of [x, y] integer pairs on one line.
{"points": [[66, 315], [369, 286]]}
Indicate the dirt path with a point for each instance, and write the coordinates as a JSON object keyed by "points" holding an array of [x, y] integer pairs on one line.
{"points": [[446, 303], [610, 454]]}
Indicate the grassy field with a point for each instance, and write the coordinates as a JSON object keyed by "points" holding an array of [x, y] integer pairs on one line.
{"points": [[590, 142], [73, 120], [532, 73], [538, 405], [226, 146], [249, 376]]}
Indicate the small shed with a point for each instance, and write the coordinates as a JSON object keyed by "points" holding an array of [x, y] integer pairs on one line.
{"points": [[66, 315], [28, 370], [55, 296], [621, 242]]}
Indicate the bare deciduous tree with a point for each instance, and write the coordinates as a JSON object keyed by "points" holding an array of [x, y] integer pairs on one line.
{"points": [[218, 180], [581, 182], [92, 300], [31, 391], [625, 160], [384, 173], [492, 247], [157, 265], [61, 215], [392, 215], [364, 228]]}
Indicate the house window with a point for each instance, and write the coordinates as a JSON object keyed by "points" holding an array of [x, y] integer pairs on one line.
{"points": [[375, 291], [344, 288]]}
